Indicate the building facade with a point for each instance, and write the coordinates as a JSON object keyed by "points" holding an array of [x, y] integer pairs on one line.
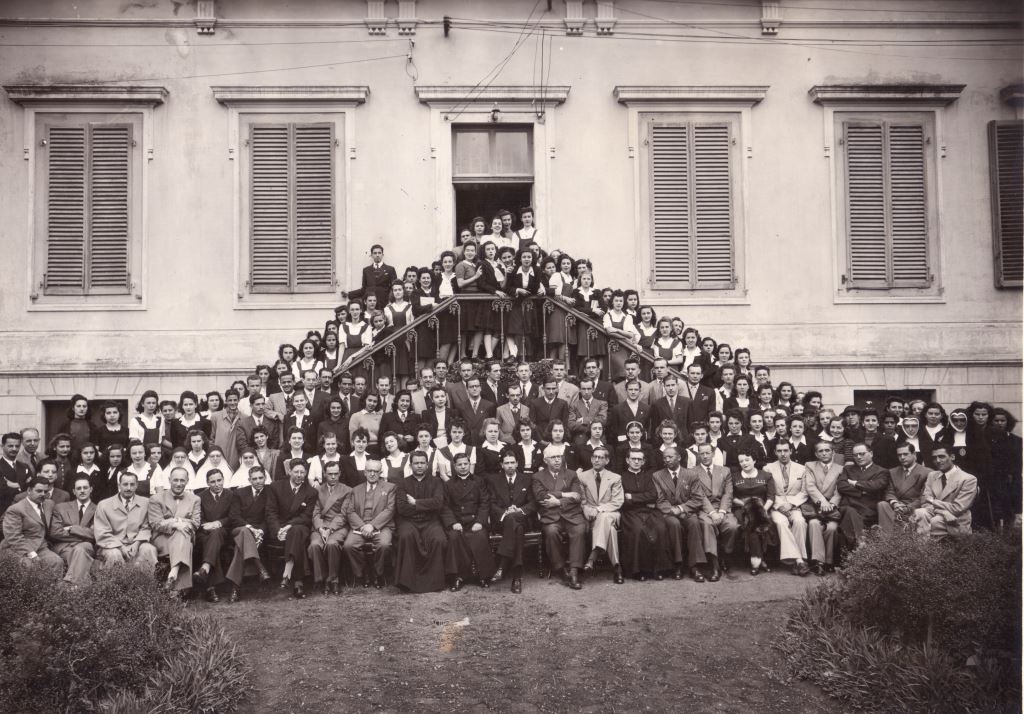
{"points": [[185, 185]]}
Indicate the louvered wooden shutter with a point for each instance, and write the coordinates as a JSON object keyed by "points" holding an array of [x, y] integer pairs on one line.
{"points": [[886, 205], [691, 211], [88, 204], [292, 207], [1006, 148]]}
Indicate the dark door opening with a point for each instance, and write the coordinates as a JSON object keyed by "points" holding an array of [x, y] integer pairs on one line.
{"points": [[486, 199]]}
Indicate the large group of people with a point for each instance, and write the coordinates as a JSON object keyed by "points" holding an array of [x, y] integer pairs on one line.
{"points": [[675, 457]]}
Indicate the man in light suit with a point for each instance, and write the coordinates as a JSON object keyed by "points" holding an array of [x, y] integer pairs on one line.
{"points": [[29, 453], [903, 494], [681, 500], [672, 407], [280, 403], [823, 494], [71, 532], [370, 513], [790, 494], [566, 390], [602, 502], [330, 528], [121, 526], [421, 395], [585, 410], [632, 370], [174, 516], [719, 526], [510, 413], [558, 494], [25, 525], [947, 498]]}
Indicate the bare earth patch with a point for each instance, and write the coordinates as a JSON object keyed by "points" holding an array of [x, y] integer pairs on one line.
{"points": [[636, 647]]}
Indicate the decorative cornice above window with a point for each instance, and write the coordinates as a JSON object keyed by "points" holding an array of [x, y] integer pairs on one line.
{"points": [[1013, 95], [30, 94], [939, 94], [462, 94], [318, 94], [740, 94]]}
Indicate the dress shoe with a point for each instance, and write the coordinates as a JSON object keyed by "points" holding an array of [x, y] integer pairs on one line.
{"points": [[498, 575], [485, 583], [298, 591], [696, 575], [589, 567], [285, 582], [755, 571], [200, 577], [456, 585], [365, 582], [765, 568], [517, 585], [715, 576], [724, 566], [659, 577], [618, 579], [801, 569], [264, 575], [642, 578], [211, 595], [379, 583], [819, 569], [235, 595], [574, 580], [677, 574]]}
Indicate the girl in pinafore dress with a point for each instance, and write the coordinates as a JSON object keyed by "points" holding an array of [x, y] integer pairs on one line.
{"points": [[619, 324], [447, 286], [354, 335], [667, 346], [560, 287], [399, 314], [467, 274]]}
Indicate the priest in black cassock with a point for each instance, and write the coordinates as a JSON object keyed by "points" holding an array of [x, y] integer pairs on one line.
{"points": [[420, 541]]}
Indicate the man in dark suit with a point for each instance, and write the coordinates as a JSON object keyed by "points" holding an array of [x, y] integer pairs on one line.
{"points": [[218, 515], [14, 475], [585, 410], [258, 417], [402, 421], [490, 388], [603, 389], [558, 494], [71, 532], [370, 512], [290, 507], [421, 545], [681, 501], [349, 398], [671, 407], [549, 407], [512, 509], [629, 410], [250, 530], [316, 398], [903, 492], [862, 486], [439, 417], [474, 411], [702, 398], [524, 373], [632, 371], [330, 528], [377, 278]]}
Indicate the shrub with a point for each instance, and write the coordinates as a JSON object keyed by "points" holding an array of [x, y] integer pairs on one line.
{"points": [[915, 625], [67, 649]]}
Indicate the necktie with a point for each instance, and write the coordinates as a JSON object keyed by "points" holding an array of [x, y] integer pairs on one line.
{"points": [[785, 477], [675, 475], [942, 478], [708, 469], [256, 492], [295, 491], [597, 481], [81, 513]]}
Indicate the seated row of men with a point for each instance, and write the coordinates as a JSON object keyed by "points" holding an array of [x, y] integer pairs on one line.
{"points": [[438, 532]]}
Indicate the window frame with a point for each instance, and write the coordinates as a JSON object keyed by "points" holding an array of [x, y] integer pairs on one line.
{"points": [[281, 105], [714, 103], [121, 104]]}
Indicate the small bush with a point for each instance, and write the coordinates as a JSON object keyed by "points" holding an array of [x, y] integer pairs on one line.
{"points": [[67, 649], [915, 625]]}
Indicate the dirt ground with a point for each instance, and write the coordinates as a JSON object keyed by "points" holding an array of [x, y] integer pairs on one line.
{"points": [[653, 646]]}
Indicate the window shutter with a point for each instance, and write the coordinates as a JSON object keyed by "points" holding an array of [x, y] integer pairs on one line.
{"points": [[886, 205], [691, 205], [109, 183], [314, 206], [65, 209], [270, 242], [713, 205], [670, 204], [1006, 148]]}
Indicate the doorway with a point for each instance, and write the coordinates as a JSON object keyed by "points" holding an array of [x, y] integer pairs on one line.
{"points": [[483, 199]]}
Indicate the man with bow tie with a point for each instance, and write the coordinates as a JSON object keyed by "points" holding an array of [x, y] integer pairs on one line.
{"points": [[71, 532], [25, 525], [174, 515], [290, 505]]}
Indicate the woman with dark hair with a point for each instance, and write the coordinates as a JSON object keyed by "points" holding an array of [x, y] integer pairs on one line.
{"points": [[424, 299], [560, 289], [743, 361], [354, 334], [631, 304], [214, 404], [645, 325], [591, 344], [595, 440], [307, 359], [398, 314], [740, 399], [79, 424], [785, 395], [111, 432], [527, 450], [1007, 453], [330, 354], [692, 352], [446, 285], [934, 422], [759, 441], [335, 422], [753, 493], [978, 463], [667, 436], [492, 282], [555, 437], [279, 368], [188, 405], [368, 419], [527, 235], [287, 353], [468, 274], [490, 450], [723, 355], [523, 283], [104, 485], [147, 426], [734, 440], [666, 345], [618, 324], [812, 402]]}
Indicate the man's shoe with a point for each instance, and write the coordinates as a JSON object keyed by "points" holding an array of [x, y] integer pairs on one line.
{"points": [[589, 567], [659, 577], [517, 585], [200, 577], [211, 595], [485, 583], [264, 575], [365, 582], [456, 585], [574, 580], [298, 592], [697, 576], [819, 569], [235, 595], [379, 583], [641, 578], [325, 589], [285, 582], [677, 574], [335, 587], [498, 575], [801, 569], [715, 576], [618, 579]]}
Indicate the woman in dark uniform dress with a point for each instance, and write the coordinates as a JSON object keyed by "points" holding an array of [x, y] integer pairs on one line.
{"points": [[492, 282], [395, 460], [666, 345], [330, 355], [398, 314], [556, 438], [644, 533], [560, 288], [588, 301], [424, 298], [447, 285], [753, 492], [594, 440], [467, 274], [465, 517], [354, 335], [735, 441], [645, 325], [635, 441], [524, 283], [488, 454], [527, 450]]}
